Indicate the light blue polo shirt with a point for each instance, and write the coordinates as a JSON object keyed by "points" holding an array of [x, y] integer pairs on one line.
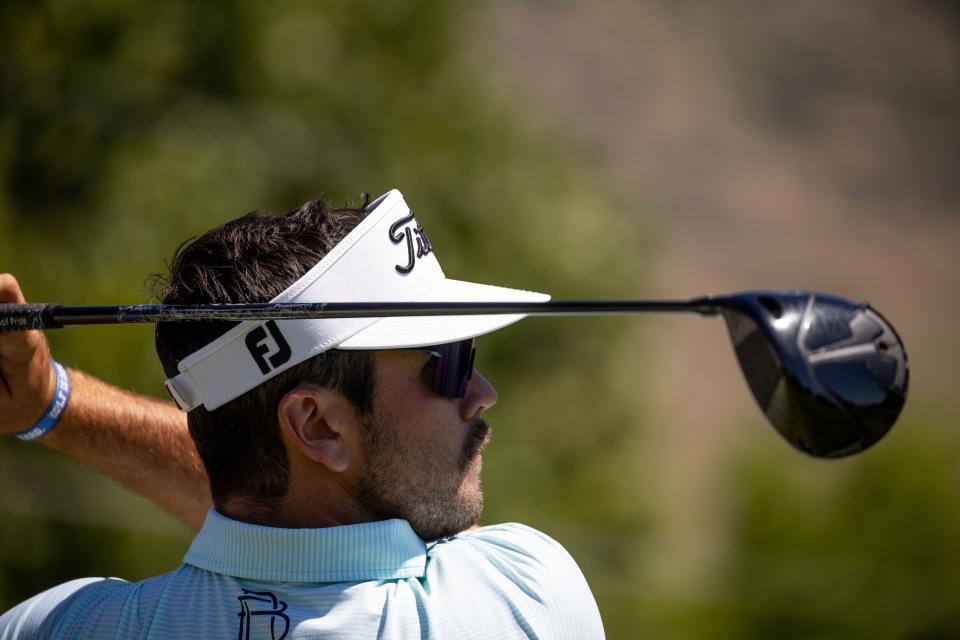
{"points": [[374, 580]]}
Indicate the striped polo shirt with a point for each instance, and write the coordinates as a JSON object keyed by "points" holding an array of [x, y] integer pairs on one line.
{"points": [[372, 580]]}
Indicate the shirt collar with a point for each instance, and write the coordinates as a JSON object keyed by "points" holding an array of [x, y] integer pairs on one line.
{"points": [[383, 550]]}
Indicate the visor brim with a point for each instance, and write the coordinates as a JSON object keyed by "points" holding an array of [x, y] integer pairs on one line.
{"points": [[419, 331]]}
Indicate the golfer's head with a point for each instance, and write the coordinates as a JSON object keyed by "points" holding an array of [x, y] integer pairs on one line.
{"points": [[253, 259], [395, 423]]}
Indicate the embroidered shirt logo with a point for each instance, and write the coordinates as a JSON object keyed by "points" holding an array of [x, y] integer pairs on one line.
{"points": [[402, 230], [262, 607], [259, 346]]}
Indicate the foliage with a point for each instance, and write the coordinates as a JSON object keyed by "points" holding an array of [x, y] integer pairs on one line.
{"points": [[872, 554], [129, 127]]}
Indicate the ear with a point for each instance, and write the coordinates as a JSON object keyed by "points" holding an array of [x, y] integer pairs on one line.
{"points": [[321, 424]]}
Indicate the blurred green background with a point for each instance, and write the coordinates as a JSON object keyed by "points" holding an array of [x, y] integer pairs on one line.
{"points": [[588, 149]]}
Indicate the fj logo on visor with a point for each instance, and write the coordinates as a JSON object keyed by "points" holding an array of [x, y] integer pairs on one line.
{"points": [[260, 345], [400, 230]]}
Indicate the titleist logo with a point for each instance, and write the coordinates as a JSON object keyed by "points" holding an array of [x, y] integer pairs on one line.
{"points": [[402, 229]]}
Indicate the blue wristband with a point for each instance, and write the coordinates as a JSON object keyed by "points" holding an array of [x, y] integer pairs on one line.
{"points": [[61, 396]]}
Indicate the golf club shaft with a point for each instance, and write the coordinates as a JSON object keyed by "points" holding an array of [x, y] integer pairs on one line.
{"points": [[22, 317]]}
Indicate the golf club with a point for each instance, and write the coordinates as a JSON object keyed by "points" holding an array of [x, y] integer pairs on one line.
{"points": [[831, 375]]}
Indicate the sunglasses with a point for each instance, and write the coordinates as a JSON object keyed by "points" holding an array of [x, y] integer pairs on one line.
{"points": [[452, 367]]}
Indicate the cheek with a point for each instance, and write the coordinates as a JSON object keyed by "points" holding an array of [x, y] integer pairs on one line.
{"points": [[427, 435], [404, 403], [425, 430], [399, 385], [426, 442]]}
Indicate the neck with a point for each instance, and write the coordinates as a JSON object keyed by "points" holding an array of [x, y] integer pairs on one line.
{"points": [[306, 505]]}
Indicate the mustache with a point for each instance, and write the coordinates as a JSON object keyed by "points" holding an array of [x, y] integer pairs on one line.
{"points": [[477, 438]]}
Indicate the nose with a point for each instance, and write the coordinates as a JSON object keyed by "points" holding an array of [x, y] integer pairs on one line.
{"points": [[480, 396]]}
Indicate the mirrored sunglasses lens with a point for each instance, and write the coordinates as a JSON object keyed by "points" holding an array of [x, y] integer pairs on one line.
{"points": [[466, 373], [453, 369]]}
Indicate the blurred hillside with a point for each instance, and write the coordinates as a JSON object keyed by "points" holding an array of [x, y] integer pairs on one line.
{"points": [[809, 145], [605, 149]]}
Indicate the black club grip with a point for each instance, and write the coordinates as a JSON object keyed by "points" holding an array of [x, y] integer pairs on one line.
{"points": [[23, 317]]}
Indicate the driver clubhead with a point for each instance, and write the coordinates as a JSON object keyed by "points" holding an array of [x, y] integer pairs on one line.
{"points": [[831, 375]]}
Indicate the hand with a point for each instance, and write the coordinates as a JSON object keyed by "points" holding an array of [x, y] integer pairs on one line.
{"points": [[26, 372]]}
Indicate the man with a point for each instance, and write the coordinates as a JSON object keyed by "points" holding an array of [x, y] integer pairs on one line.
{"points": [[343, 456]]}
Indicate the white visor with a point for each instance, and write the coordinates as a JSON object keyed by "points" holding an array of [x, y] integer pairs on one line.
{"points": [[386, 258]]}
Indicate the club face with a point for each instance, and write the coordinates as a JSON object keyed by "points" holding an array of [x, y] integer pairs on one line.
{"points": [[830, 375]]}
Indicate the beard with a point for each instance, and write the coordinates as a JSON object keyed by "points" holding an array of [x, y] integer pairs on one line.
{"points": [[421, 482]]}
